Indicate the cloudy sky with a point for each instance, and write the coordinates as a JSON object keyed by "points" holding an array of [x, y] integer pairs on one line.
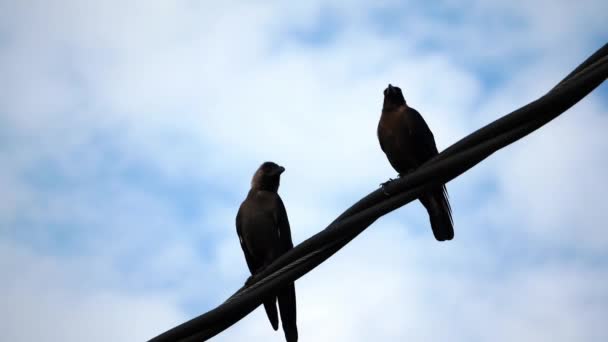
{"points": [[129, 132]]}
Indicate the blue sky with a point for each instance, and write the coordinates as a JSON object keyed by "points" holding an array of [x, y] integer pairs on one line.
{"points": [[129, 133]]}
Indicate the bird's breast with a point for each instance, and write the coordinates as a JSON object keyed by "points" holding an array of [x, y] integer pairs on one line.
{"points": [[259, 230]]}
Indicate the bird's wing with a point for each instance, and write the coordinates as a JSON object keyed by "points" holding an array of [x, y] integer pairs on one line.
{"points": [[248, 257], [425, 150], [422, 137], [283, 225], [287, 296]]}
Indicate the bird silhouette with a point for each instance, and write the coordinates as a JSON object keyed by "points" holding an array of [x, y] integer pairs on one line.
{"points": [[264, 235], [408, 142]]}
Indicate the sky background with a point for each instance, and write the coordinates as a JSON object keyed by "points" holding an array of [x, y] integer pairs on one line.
{"points": [[129, 132]]}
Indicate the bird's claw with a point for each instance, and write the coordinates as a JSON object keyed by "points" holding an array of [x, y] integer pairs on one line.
{"points": [[249, 280], [383, 186]]}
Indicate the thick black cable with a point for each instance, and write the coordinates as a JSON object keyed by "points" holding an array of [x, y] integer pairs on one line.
{"points": [[452, 162]]}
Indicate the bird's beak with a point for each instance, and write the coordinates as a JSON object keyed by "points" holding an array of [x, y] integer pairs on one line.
{"points": [[388, 89], [277, 171]]}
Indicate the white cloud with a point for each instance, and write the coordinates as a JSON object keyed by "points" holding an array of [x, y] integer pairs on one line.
{"points": [[203, 93], [44, 299], [562, 198]]}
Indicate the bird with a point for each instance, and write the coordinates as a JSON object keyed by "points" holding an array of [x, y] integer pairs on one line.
{"points": [[264, 234], [408, 142]]}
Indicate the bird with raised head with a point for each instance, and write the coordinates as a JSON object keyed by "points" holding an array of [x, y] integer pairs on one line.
{"points": [[408, 142]]}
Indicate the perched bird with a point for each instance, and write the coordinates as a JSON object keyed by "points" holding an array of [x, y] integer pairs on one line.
{"points": [[264, 234], [408, 142]]}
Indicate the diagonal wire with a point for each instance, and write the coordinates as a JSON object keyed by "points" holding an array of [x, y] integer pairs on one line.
{"points": [[446, 166]]}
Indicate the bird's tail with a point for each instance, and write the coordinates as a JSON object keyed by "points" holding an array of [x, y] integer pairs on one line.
{"points": [[270, 305], [440, 213], [287, 306]]}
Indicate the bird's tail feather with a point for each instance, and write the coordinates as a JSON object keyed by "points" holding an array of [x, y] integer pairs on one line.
{"points": [[271, 311], [440, 214], [442, 226], [287, 306]]}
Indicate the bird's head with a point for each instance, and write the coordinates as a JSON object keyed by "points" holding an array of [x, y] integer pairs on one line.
{"points": [[267, 177], [393, 97]]}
